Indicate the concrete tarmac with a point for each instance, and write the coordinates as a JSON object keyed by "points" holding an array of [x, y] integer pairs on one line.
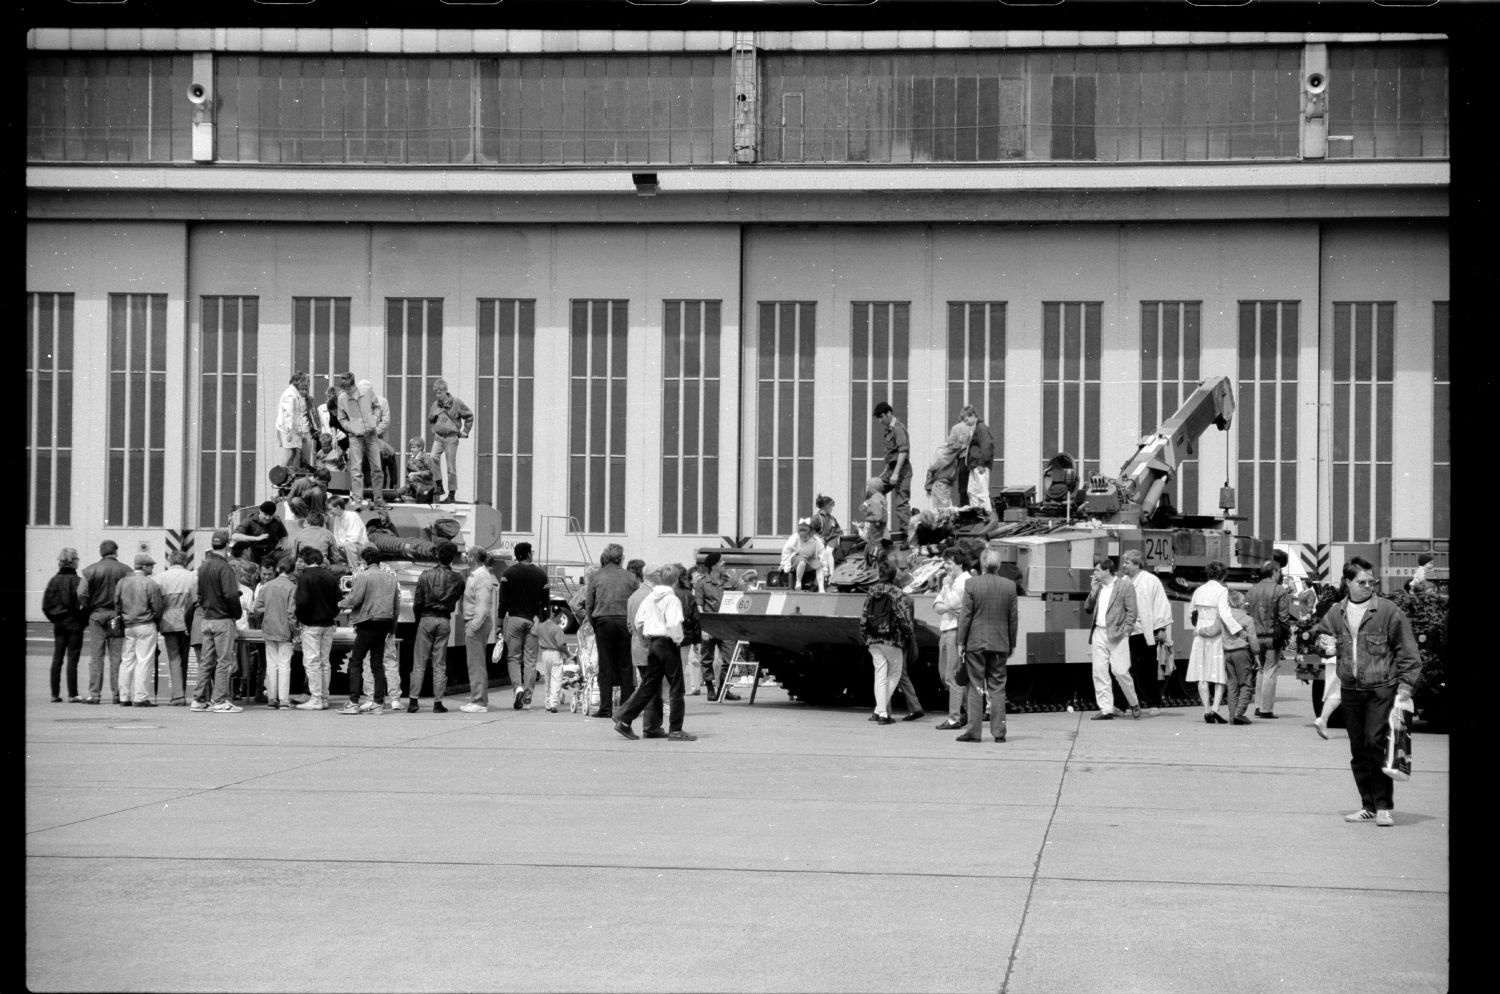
{"points": [[790, 848]]}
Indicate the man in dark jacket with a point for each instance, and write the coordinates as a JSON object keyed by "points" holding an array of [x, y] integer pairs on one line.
{"points": [[977, 460], [987, 620], [219, 607], [96, 593], [1378, 665], [708, 590], [437, 594], [605, 599], [1269, 605], [61, 606], [317, 608], [523, 603]]}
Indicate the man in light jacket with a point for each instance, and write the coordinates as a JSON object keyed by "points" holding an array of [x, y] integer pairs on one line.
{"points": [[274, 613], [372, 602], [1111, 606], [1152, 628], [139, 602], [179, 591], [479, 620], [660, 622], [357, 414], [451, 420]]}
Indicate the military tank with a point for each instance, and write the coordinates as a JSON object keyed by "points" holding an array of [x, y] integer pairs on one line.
{"points": [[811, 642]]}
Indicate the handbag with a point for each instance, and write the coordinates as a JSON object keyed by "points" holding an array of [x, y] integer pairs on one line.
{"points": [[115, 627], [961, 671]]}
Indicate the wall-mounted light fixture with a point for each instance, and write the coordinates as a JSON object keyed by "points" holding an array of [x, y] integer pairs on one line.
{"points": [[645, 184]]}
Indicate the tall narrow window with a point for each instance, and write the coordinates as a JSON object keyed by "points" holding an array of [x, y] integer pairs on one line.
{"points": [[1266, 413], [49, 408], [1169, 373], [503, 408], [1073, 117], [320, 341], [976, 369], [1442, 454], [784, 351], [1071, 348], [880, 346], [137, 409], [596, 437], [1364, 366], [413, 358], [690, 417], [227, 423]]}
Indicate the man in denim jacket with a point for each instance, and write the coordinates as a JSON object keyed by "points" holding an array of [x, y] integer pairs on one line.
{"points": [[1378, 665]]}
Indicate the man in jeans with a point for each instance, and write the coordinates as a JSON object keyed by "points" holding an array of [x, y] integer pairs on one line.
{"points": [[138, 600], [1152, 628], [317, 609], [479, 610], [660, 621], [437, 594], [523, 602], [946, 602], [219, 602], [179, 591], [96, 595], [372, 604], [451, 420], [1270, 605]]}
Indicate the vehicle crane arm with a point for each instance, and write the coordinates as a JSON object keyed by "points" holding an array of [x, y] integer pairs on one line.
{"points": [[1146, 474]]}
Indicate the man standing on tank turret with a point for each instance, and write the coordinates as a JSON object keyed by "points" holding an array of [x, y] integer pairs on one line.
{"points": [[897, 475], [451, 420]]}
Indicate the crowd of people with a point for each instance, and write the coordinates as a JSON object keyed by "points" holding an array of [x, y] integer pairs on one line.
{"points": [[346, 433]]}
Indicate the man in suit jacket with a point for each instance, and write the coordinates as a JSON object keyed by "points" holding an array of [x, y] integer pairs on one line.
{"points": [[1111, 606], [987, 633]]}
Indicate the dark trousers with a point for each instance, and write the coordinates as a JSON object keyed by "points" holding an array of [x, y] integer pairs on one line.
{"points": [[1239, 668], [369, 640], [67, 643], [709, 653], [1143, 672], [664, 661], [612, 640], [1366, 713], [986, 669]]}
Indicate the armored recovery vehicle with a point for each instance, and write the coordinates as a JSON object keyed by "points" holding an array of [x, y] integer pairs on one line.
{"points": [[810, 641]]}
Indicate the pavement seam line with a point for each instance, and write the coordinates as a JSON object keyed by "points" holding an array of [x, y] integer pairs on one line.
{"points": [[1036, 867]]}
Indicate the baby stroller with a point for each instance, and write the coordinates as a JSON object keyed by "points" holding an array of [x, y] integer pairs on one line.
{"points": [[580, 674]]}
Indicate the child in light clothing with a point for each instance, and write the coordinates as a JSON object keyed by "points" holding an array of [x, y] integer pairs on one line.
{"points": [[553, 646], [872, 512]]}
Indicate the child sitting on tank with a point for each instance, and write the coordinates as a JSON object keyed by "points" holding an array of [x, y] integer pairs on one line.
{"points": [[421, 474]]}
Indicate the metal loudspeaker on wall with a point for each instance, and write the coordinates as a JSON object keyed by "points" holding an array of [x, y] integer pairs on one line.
{"points": [[200, 94], [1315, 102]]}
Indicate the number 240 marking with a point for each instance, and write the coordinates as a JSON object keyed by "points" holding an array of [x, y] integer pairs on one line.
{"points": [[1156, 549]]}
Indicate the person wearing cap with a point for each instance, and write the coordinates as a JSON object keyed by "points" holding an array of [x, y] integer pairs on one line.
{"points": [[357, 415], [259, 539], [179, 591], [451, 420], [898, 473], [96, 593], [523, 602], [219, 601], [138, 600], [604, 602], [803, 550], [292, 423], [61, 606]]}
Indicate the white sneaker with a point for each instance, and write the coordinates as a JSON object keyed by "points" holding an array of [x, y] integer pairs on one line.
{"points": [[198, 706], [472, 708], [1153, 712], [370, 707], [349, 708], [311, 704], [224, 707]]}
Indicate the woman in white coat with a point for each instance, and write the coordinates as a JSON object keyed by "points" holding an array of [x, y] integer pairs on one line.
{"points": [[1210, 617]]}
